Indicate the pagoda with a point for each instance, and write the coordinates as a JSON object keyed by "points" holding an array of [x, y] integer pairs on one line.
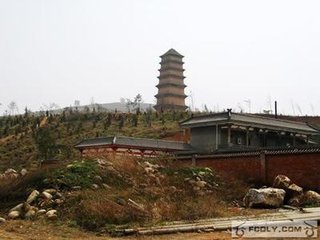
{"points": [[171, 96]]}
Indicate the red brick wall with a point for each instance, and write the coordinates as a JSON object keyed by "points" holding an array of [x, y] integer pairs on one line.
{"points": [[243, 167], [302, 168]]}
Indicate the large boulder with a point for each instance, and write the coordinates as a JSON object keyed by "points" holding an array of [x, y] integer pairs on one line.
{"points": [[265, 197], [281, 181], [293, 191], [311, 198]]}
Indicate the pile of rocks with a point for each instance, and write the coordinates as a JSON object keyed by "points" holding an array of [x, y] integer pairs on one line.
{"points": [[152, 171], [283, 191], [38, 204], [198, 184], [11, 174], [108, 166], [295, 195]]}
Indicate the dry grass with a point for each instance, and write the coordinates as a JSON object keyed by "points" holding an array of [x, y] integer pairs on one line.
{"points": [[94, 209], [15, 190]]}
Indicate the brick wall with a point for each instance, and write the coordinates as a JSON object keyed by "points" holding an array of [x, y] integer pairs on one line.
{"points": [[302, 168]]}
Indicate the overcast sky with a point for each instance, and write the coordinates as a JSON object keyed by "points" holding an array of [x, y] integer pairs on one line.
{"points": [[65, 50]]}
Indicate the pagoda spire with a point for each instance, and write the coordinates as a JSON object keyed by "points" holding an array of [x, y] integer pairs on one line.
{"points": [[171, 96]]}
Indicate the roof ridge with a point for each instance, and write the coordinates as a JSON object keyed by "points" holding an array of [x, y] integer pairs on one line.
{"points": [[172, 51], [270, 118], [156, 139]]}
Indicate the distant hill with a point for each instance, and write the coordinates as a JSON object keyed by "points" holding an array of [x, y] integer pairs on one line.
{"points": [[121, 107]]}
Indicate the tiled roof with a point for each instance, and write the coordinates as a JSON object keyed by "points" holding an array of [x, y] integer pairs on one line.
{"points": [[172, 52], [255, 152], [249, 120], [139, 143]]}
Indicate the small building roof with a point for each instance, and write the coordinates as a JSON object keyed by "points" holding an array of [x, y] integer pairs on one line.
{"points": [[249, 120], [172, 52], [134, 143]]}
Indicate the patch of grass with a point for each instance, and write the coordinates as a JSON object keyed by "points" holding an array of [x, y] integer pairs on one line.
{"points": [[78, 173]]}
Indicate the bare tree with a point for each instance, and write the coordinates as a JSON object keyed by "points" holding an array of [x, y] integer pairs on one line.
{"points": [[13, 108]]}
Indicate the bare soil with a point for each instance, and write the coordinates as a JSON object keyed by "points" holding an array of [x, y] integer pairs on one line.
{"points": [[38, 230]]}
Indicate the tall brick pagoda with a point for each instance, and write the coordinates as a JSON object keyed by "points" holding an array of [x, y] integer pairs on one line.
{"points": [[171, 85]]}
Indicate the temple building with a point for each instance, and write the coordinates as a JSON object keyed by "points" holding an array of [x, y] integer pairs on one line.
{"points": [[171, 96], [233, 131]]}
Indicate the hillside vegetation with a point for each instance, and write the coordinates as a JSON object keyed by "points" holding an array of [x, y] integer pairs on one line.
{"points": [[28, 139], [111, 193]]}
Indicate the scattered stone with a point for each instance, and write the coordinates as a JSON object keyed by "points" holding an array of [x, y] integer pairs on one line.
{"points": [[25, 208], [106, 186], [192, 182], [201, 184], [51, 190], [2, 220], [121, 201], [52, 214], [33, 195], [23, 172], [267, 197], [58, 201], [11, 174], [172, 189], [10, 171], [103, 162], [76, 188], [111, 168], [94, 186], [158, 180], [31, 213], [58, 195], [17, 208], [46, 195], [148, 170], [46, 203], [14, 214], [41, 212], [200, 193], [98, 179], [196, 188]]}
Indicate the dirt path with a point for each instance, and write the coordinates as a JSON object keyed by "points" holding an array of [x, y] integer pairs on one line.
{"points": [[38, 230]]}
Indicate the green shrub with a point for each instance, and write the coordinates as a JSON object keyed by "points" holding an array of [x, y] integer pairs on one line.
{"points": [[79, 173]]}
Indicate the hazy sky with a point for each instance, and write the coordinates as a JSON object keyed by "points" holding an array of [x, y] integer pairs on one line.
{"points": [[65, 50]]}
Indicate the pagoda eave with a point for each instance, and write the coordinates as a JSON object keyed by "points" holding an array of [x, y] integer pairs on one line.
{"points": [[161, 95], [171, 75], [171, 68], [170, 61], [171, 84]]}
